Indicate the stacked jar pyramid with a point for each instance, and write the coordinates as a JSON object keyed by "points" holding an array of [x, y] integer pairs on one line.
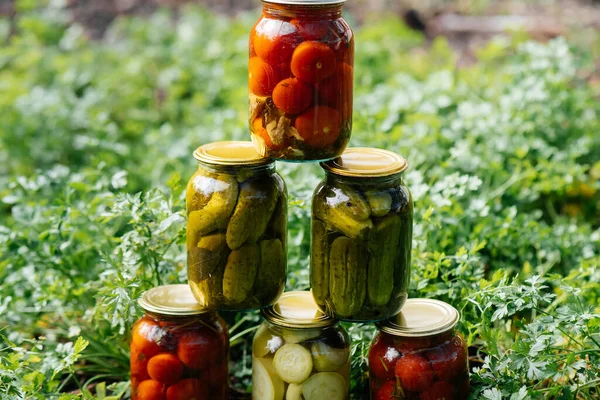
{"points": [[301, 94]]}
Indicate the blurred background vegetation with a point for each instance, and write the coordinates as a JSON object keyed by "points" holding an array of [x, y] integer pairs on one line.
{"points": [[495, 105]]}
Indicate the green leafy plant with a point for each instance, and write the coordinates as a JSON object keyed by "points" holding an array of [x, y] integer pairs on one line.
{"points": [[95, 148]]}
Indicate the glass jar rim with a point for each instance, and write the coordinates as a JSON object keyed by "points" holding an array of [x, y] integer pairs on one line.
{"points": [[305, 2], [297, 309], [421, 318], [171, 300], [231, 153], [366, 162]]}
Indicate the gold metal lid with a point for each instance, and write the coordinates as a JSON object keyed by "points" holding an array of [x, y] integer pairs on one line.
{"points": [[297, 310], [176, 300], [366, 162], [230, 154], [422, 317]]}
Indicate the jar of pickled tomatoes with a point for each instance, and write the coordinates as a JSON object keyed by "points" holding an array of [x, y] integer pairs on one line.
{"points": [[300, 353], [419, 355], [301, 79], [178, 349]]}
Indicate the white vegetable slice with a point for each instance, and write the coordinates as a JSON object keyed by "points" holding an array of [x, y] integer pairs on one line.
{"points": [[325, 385], [327, 358], [266, 385], [294, 392], [293, 363]]}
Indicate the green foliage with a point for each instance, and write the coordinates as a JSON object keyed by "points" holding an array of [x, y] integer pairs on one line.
{"points": [[95, 148]]}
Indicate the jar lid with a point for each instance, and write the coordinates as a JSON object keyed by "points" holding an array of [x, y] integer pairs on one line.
{"points": [[305, 2], [297, 310], [366, 162], [422, 317], [230, 153], [176, 300]]}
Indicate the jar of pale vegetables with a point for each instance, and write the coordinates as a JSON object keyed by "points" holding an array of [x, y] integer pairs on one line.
{"points": [[300, 353]]}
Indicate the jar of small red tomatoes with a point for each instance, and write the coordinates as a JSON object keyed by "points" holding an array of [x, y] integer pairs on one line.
{"points": [[419, 355], [300, 80], [179, 351]]}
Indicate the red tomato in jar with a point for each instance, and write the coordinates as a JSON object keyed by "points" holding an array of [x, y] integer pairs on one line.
{"points": [[147, 337], [382, 358], [313, 61], [188, 389], [150, 390], [320, 126], [275, 40], [311, 29], [199, 349], [449, 359], [336, 91], [292, 96], [387, 392], [262, 77], [439, 391], [165, 368], [138, 365], [218, 375], [415, 372], [411, 345]]}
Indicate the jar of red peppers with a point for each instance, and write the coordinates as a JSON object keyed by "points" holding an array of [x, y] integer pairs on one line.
{"points": [[179, 351], [419, 355], [300, 80]]}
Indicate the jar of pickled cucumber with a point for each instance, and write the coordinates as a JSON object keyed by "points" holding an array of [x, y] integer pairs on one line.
{"points": [[236, 229], [362, 216], [419, 354], [300, 353], [300, 76], [179, 350]]}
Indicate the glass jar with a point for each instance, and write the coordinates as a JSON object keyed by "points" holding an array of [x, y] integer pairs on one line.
{"points": [[361, 243], [419, 355], [236, 228], [178, 349], [300, 353], [300, 76]]}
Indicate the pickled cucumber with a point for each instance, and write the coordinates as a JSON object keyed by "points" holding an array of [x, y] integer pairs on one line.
{"points": [[293, 363], [215, 215], [338, 219], [257, 200], [240, 273], [325, 385], [327, 358], [319, 261], [293, 392], [209, 291], [278, 223], [204, 259], [198, 191], [352, 201], [383, 246], [347, 281], [266, 385], [380, 202], [271, 272]]}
